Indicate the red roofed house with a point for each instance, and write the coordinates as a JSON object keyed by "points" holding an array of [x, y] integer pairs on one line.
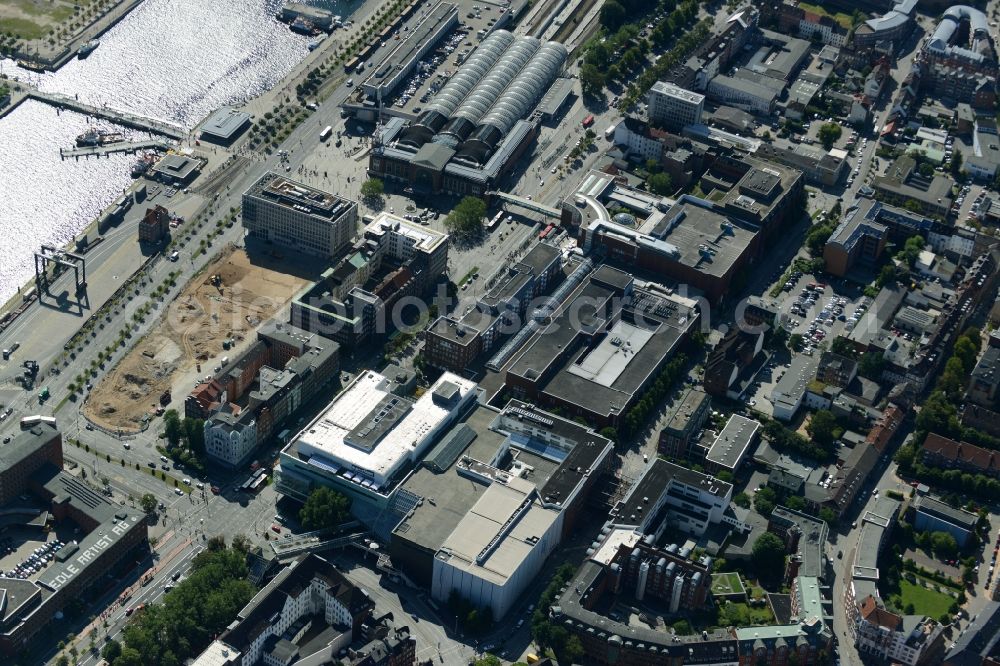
{"points": [[885, 429], [154, 225], [204, 400], [949, 454], [906, 639]]}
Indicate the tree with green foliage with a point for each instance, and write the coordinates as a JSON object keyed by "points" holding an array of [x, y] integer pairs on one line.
{"points": [[785, 440], [768, 555], [828, 516], [822, 428], [742, 500], [592, 80], [488, 660], [844, 347], [817, 237], [765, 500], [323, 509], [112, 649], [148, 502], [953, 379], [372, 189], [242, 543], [196, 611], [944, 545], [572, 651], [828, 134], [795, 341], [612, 15], [795, 502], [966, 350], [466, 218], [911, 250], [172, 427], [886, 276], [956, 163], [194, 432], [912, 205], [543, 631], [871, 365], [659, 183]]}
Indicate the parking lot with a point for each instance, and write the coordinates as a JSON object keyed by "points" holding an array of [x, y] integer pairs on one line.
{"points": [[967, 204], [816, 311], [437, 66], [27, 552]]}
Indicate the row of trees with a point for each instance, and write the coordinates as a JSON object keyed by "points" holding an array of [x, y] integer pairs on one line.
{"points": [[185, 439], [653, 398], [189, 430], [767, 498], [567, 648], [940, 414], [895, 569], [196, 611], [615, 56]]}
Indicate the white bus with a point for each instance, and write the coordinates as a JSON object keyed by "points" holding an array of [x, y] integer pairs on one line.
{"points": [[493, 223], [32, 421], [325, 134]]}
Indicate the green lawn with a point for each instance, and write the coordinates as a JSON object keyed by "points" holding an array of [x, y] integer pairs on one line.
{"points": [[843, 19], [32, 19], [925, 601], [739, 614], [726, 583], [23, 28]]}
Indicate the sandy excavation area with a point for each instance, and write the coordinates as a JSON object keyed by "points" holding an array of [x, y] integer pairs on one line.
{"points": [[191, 335]]}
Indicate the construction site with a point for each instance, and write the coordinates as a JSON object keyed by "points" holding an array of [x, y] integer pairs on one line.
{"points": [[211, 318]]}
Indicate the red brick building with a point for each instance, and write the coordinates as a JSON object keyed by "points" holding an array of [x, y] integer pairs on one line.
{"points": [[23, 456], [154, 225]]}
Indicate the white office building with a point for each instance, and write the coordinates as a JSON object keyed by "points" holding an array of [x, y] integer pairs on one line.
{"points": [[674, 107], [691, 501], [306, 592], [279, 210], [369, 434]]}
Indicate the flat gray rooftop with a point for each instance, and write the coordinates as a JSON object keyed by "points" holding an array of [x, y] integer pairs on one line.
{"points": [[431, 524], [703, 227], [225, 123]]}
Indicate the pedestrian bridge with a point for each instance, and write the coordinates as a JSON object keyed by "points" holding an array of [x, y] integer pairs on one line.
{"points": [[514, 200], [125, 118], [117, 147]]}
